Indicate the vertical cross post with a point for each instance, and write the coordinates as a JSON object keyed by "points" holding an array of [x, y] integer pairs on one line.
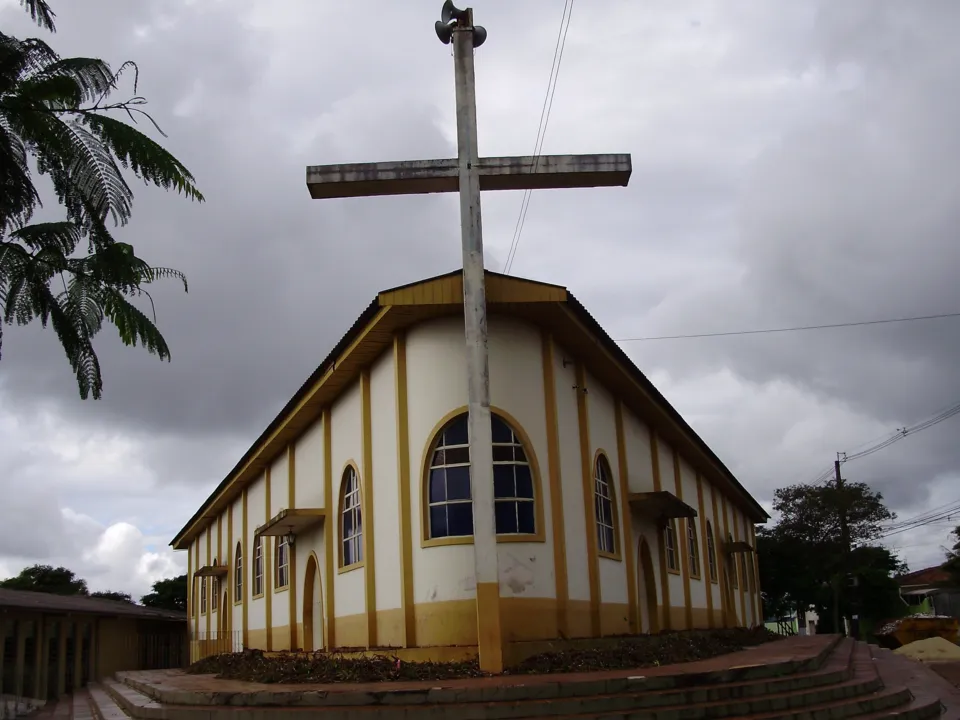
{"points": [[489, 636]]}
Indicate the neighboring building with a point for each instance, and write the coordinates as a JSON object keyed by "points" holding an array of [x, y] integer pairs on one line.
{"points": [[54, 644], [348, 522], [930, 590]]}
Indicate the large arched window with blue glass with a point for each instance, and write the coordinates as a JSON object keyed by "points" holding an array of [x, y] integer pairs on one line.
{"points": [[449, 505]]}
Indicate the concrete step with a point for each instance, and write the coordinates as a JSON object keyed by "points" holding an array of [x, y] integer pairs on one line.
{"points": [[103, 705], [81, 706], [848, 685], [933, 696]]}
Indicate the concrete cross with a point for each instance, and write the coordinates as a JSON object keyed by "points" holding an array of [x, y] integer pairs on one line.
{"points": [[469, 174]]}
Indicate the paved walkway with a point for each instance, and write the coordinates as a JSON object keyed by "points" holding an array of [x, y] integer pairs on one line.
{"points": [[949, 671], [796, 649]]}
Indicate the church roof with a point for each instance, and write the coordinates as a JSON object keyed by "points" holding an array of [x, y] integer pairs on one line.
{"points": [[552, 307]]}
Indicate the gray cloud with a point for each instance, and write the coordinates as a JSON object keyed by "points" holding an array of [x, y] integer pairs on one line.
{"points": [[792, 165]]}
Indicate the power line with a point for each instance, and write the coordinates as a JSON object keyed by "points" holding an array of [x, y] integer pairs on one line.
{"points": [[541, 129], [792, 329]]}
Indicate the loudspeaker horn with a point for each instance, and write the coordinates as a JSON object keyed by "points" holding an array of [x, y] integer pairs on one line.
{"points": [[444, 31], [479, 35], [449, 11]]}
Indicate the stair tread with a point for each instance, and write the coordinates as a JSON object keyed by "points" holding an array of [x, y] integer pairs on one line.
{"points": [[106, 708], [81, 706]]}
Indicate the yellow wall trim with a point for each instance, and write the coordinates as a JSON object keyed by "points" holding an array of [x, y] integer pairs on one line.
{"points": [[370, 573], [661, 529], [682, 547], [329, 545], [632, 616], [593, 560], [403, 479], [556, 485], [705, 552], [247, 571], [292, 551]]}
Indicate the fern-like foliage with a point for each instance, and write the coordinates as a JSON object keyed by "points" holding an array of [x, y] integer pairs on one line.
{"points": [[56, 111]]}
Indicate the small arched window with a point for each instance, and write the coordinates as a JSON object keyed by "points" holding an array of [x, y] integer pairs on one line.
{"points": [[711, 553], [258, 566], [203, 595], [603, 506], [449, 500], [351, 519], [693, 549], [215, 597], [283, 563], [670, 545], [238, 574]]}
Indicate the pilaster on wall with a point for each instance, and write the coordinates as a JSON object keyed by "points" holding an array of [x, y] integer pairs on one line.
{"points": [[586, 469]]}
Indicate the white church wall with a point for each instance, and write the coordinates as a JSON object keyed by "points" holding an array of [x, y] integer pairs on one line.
{"points": [[236, 618], [386, 497], [346, 447], [279, 486], [309, 476], [310, 543], [639, 459], [436, 386], [279, 500], [516, 387], [668, 483], [256, 612]]}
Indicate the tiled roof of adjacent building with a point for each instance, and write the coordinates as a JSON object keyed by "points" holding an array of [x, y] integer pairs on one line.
{"points": [[48, 602], [928, 576]]}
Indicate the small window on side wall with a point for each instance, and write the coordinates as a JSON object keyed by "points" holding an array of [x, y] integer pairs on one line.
{"points": [[603, 507], [351, 519]]}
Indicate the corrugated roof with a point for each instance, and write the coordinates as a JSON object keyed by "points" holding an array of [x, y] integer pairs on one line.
{"points": [[928, 576], [48, 602]]}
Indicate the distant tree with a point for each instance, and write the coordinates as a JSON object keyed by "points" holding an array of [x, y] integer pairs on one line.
{"points": [[952, 565], [113, 595], [47, 579], [56, 120], [801, 559], [170, 594]]}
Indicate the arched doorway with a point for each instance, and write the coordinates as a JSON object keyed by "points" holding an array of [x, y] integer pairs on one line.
{"points": [[312, 606], [224, 642], [648, 586]]}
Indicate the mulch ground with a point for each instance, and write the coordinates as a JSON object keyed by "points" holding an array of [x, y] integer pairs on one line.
{"points": [[637, 651]]}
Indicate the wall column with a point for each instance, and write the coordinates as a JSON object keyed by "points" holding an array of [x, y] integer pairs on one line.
{"points": [[20, 658], [77, 654], [62, 625], [39, 659]]}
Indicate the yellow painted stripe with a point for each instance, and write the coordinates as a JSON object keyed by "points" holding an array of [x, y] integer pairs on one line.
{"points": [[403, 479], [740, 567], [267, 564], [593, 560], [328, 591], [683, 547], [229, 560], [705, 553], [661, 544], [369, 558], [247, 569], [718, 541], [206, 581], [556, 486], [292, 551], [625, 522], [731, 600]]}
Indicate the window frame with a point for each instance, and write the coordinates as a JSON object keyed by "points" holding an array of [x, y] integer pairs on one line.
{"points": [[238, 574], [693, 549], [351, 471], [521, 439], [257, 569], [281, 564], [215, 590], [732, 565], [600, 460], [712, 566], [203, 596], [670, 547]]}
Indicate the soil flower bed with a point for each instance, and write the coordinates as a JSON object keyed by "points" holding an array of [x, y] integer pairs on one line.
{"points": [[629, 652]]}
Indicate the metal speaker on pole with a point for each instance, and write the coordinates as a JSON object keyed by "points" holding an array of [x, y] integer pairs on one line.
{"points": [[479, 35], [444, 31], [450, 12]]}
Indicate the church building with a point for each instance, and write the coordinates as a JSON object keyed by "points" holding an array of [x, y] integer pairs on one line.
{"points": [[348, 523]]}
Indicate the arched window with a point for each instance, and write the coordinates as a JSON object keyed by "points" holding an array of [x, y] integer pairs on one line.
{"points": [[711, 553], [603, 506], [449, 502], [670, 545], [693, 549], [283, 563], [351, 520], [258, 566], [238, 575], [203, 595], [215, 582]]}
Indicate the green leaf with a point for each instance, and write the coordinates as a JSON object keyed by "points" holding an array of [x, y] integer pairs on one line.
{"points": [[41, 13]]}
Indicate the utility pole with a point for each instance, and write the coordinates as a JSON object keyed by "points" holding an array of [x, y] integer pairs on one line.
{"points": [[844, 546]]}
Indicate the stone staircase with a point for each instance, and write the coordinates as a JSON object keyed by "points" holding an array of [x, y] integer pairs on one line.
{"points": [[844, 679]]}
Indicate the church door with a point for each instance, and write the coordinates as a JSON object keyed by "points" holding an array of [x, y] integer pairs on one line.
{"points": [[312, 606], [648, 588]]}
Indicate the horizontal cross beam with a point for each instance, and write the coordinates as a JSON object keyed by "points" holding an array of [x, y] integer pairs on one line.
{"points": [[496, 173]]}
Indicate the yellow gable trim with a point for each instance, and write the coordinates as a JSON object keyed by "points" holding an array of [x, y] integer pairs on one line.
{"points": [[448, 290]]}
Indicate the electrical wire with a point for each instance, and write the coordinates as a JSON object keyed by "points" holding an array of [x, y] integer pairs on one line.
{"points": [[792, 329], [541, 129]]}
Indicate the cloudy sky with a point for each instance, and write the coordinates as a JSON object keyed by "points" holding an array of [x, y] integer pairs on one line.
{"points": [[794, 163]]}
